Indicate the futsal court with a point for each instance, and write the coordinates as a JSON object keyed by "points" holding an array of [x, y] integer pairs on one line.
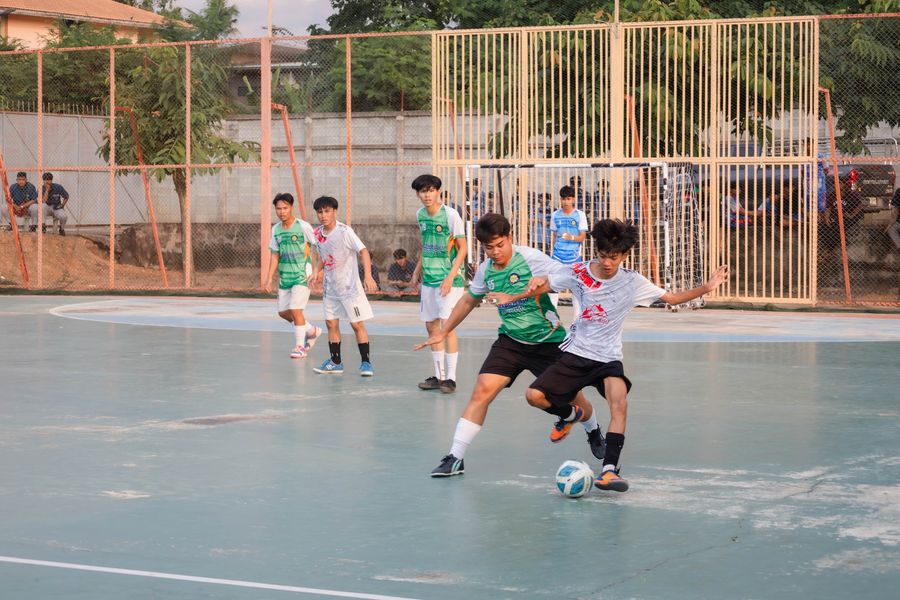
{"points": [[170, 448]]}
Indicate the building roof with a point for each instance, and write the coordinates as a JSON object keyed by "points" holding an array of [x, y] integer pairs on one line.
{"points": [[98, 11]]}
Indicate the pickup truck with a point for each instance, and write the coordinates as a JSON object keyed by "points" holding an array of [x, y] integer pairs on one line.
{"points": [[875, 182]]}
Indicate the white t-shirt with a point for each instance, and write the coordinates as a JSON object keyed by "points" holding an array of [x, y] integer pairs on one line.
{"points": [[338, 250], [597, 332]]}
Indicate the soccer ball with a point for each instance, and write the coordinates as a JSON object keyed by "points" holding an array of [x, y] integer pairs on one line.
{"points": [[574, 479]]}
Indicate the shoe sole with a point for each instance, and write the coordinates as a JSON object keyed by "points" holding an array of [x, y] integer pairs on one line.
{"points": [[324, 372], [367, 374], [296, 357], [448, 474], [616, 486], [448, 391], [312, 342], [428, 389]]}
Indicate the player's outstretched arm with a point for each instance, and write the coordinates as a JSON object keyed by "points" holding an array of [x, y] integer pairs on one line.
{"points": [[461, 310], [687, 295], [536, 286]]}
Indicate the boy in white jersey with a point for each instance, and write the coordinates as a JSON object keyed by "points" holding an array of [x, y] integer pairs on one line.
{"points": [[291, 244], [343, 295], [528, 338], [443, 255], [593, 348]]}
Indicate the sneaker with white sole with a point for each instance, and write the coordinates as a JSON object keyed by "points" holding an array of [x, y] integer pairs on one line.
{"points": [[450, 465], [609, 480], [298, 352], [366, 370], [329, 367]]}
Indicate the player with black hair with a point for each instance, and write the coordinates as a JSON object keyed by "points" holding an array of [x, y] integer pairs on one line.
{"points": [[343, 293], [592, 351], [291, 245], [529, 337]]}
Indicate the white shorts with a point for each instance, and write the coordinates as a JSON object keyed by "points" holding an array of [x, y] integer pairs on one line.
{"points": [[293, 299], [433, 306], [351, 309]]}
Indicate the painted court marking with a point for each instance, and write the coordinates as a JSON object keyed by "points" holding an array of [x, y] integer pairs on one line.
{"points": [[192, 578]]}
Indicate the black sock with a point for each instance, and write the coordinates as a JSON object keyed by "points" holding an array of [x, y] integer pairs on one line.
{"points": [[562, 411], [364, 351], [614, 443], [335, 349]]}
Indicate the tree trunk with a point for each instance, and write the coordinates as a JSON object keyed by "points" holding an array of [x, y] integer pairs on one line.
{"points": [[180, 179]]}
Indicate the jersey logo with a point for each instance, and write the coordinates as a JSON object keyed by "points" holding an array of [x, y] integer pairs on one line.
{"points": [[320, 235], [582, 274], [439, 228], [514, 278], [328, 262], [572, 223], [294, 238], [595, 314]]}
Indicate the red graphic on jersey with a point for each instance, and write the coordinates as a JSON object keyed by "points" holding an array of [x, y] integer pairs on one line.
{"points": [[320, 235], [596, 314], [584, 276], [328, 262]]}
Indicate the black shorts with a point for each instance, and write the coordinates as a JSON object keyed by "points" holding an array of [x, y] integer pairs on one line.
{"points": [[572, 373], [509, 358]]}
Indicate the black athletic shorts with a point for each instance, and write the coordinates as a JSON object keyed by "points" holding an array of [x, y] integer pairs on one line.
{"points": [[572, 373], [509, 358]]}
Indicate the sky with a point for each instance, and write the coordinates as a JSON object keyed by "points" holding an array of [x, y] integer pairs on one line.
{"points": [[294, 15]]}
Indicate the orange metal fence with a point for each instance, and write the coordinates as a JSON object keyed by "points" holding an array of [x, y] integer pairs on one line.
{"points": [[170, 153]]}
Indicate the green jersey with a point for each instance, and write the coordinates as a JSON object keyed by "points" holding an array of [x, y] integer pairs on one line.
{"points": [[530, 320], [292, 246], [439, 235]]}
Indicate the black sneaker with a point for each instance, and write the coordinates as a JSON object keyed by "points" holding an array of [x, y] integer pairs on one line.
{"points": [[450, 465], [432, 383], [448, 386], [62, 231], [597, 443]]}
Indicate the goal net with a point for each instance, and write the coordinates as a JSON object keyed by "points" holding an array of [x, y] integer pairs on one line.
{"points": [[660, 198]]}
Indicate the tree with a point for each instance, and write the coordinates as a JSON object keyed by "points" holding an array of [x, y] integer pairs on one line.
{"points": [[152, 82]]}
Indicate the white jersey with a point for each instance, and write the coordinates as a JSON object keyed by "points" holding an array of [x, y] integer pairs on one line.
{"points": [[596, 333], [338, 250]]}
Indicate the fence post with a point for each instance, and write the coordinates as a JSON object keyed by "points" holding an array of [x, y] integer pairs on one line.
{"points": [[265, 175], [112, 168], [40, 168], [349, 101]]}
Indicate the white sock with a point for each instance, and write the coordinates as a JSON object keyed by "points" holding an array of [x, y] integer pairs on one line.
{"points": [[310, 329], [452, 359], [572, 414], [438, 360], [591, 424], [465, 432], [300, 335]]}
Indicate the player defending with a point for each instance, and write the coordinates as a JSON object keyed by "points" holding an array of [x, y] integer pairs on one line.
{"points": [[568, 230], [593, 348], [528, 338], [343, 295], [443, 254], [290, 245]]}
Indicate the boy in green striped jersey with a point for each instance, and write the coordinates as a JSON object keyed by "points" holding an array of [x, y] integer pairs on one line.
{"points": [[529, 337], [291, 243], [441, 267]]}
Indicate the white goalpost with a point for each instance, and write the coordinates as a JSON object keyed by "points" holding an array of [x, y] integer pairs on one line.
{"points": [[660, 198]]}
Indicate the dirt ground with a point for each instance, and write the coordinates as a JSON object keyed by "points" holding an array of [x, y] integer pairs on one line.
{"points": [[75, 263]]}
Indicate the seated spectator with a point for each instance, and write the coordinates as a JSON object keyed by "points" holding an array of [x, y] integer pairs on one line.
{"points": [[400, 274], [55, 198], [359, 266], [25, 202], [737, 214]]}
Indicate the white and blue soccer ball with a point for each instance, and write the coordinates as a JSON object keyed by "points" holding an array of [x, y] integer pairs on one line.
{"points": [[574, 478]]}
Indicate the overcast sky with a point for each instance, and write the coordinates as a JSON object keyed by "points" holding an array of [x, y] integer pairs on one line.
{"points": [[295, 15]]}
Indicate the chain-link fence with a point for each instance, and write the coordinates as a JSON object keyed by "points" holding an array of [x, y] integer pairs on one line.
{"points": [[170, 153], [858, 204]]}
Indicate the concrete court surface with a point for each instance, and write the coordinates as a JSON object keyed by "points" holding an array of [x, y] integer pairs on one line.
{"points": [[169, 448]]}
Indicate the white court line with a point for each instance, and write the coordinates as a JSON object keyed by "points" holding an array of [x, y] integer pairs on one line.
{"points": [[211, 580]]}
